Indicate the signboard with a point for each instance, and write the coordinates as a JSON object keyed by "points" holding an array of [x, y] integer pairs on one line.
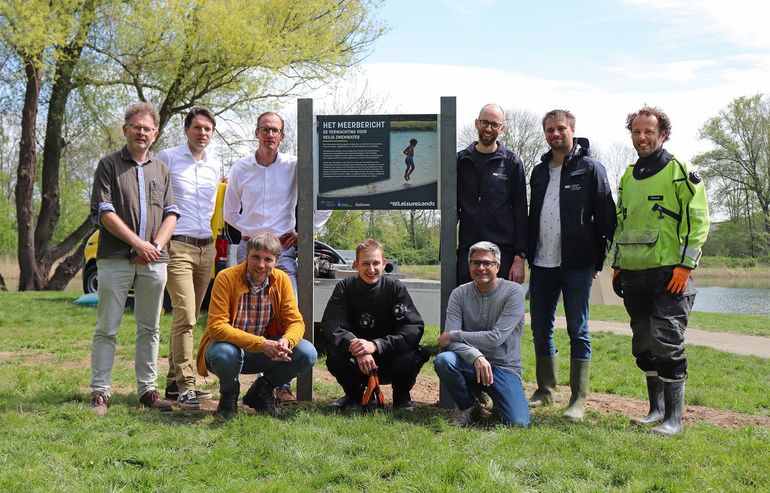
{"points": [[378, 162]]}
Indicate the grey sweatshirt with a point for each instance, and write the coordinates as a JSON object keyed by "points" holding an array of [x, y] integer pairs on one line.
{"points": [[488, 324]]}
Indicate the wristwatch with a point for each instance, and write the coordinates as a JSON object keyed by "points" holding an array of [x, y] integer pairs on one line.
{"points": [[157, 245]]}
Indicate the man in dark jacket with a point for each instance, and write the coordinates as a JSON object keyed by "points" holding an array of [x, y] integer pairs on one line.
{"points": [[571, 222], [371, 324], [491, 198]]}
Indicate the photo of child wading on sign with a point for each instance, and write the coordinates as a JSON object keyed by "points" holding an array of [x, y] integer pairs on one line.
{"points": [[409, 160]]}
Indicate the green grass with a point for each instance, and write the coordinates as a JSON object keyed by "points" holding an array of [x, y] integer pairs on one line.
{"points": [[53, 442], [755, 325]]}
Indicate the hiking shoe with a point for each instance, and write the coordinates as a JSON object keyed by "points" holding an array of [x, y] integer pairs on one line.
{"points": [[466, 417], [172, 393], [284, 397], [260, 397], [188, 400], [228, 405], [152, 399], [100, 402]]}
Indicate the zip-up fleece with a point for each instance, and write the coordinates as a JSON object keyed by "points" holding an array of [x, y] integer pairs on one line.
{"points": [[492, 201]]}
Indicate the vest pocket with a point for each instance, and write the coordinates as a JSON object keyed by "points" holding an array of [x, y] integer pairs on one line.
{"points": [[639, 249]]}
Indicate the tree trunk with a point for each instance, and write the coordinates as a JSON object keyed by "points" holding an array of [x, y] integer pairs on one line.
{"points": [[25, 177], [2, 284], [63, 275], [67, 269], [50, 205]]}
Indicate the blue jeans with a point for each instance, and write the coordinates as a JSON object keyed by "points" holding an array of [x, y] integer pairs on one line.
{"points": [[506, 391], [545, 285], [227, 362]]}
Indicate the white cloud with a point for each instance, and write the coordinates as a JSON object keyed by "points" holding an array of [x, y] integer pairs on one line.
{"points": [[683, 71], [742, 22]]}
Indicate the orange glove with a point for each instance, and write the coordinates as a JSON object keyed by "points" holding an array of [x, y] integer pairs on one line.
{"points": [[679, 280]]}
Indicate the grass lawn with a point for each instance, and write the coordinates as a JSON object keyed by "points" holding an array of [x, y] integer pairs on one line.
{"points": [[755, 325], [53, 442]]}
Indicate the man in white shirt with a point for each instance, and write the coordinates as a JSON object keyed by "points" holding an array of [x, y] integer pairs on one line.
{"points": [[261, 195], [194, 178]]}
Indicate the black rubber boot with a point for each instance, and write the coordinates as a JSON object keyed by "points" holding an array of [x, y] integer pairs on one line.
{"points": [[673, 395], [657, 405], [228, 404], [546, 369], [261, 397]]}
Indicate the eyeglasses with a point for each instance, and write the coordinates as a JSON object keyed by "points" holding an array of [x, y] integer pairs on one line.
{"points": [[141, 128], [483, 263], [269, 130], [487, 123]]}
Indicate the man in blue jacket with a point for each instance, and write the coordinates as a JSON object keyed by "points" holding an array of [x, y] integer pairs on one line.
{"points": [[491, 198], [571, 222]]}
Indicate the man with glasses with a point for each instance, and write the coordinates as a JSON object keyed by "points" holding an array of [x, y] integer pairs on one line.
{"points": [[571, 221], [132, 203], [261, 195], [481, 344], [194, 176], [492, 197]]}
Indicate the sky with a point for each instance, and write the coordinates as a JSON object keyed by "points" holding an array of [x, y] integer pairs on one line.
{"points": [[600, 59]]}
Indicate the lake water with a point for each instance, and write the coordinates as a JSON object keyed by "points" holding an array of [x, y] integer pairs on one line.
{"points": [[741, 300]]}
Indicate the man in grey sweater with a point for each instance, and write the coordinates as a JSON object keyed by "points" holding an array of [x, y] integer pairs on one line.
{"points": [[481, 344]]}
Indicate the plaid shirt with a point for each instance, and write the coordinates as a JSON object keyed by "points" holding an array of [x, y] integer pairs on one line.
{"points": [[254, 309]]}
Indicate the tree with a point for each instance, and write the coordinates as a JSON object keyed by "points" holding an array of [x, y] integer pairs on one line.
{"points": [[740, 159], [523, 135], [230, 55], [615, 159]]}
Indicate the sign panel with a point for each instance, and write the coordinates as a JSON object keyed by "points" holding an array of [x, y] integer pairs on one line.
{"points": [[378, 162]]}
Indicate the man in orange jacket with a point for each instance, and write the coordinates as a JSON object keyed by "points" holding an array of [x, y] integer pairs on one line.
{"points": [[254, 326]]}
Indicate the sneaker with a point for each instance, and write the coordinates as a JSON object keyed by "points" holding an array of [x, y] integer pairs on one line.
{"points": [[467, 417], [228, 405], [172, 393], [152, 399], [260, 397], [188, 400], [284, 396], [100, 402]]}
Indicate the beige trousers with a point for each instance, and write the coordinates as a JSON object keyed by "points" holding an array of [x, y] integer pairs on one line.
{"points": [[189, 273]]}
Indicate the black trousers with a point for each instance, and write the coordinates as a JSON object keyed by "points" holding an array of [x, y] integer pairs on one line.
{"points": [[399, 369], [658, 320]]}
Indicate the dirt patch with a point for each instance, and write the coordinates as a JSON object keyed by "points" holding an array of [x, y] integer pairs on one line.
{"points": [[426, 393]]}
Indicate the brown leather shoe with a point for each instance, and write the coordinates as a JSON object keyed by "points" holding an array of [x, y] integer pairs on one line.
{"points": [[284, 396], [152, 399], [100, 402]]}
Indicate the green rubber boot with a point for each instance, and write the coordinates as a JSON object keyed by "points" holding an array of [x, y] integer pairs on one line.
{"points": [[579, 372], [546, 369]]}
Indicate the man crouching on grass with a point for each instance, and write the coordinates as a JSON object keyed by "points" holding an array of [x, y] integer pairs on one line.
{"points": [[481, 343], [254, 326], [372, 325]]}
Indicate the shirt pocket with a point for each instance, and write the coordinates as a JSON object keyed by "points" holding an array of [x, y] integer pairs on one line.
{"points": [[639, 249], [156, 194]]}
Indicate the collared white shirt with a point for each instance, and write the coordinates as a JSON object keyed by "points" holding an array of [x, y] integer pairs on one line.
{"points": [[195, 189], [266, 196]]}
